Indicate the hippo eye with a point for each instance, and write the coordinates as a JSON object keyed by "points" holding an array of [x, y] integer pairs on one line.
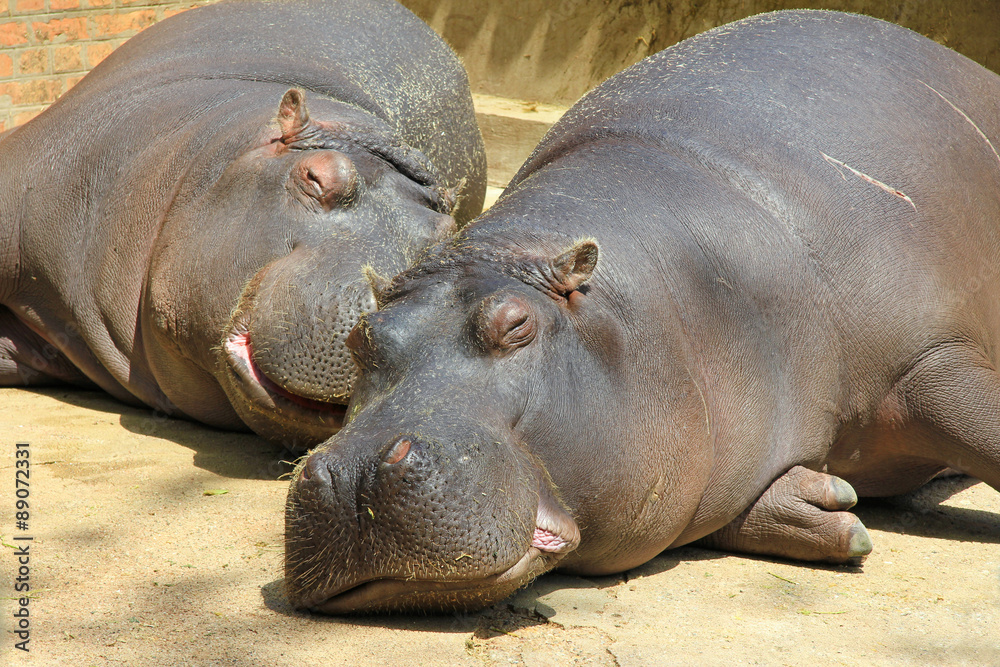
{"points": [[398, 451], [508, 323], [328, 177]]}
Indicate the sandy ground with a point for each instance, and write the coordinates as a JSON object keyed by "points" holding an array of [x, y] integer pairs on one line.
{"points": [[132, 563]]}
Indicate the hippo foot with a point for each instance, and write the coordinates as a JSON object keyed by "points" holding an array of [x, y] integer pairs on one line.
{"points": [[800, 516]]}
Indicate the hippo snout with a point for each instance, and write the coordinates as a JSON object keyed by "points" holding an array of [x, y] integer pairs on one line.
{"points": [[413, 522], [288, 369], [303, 328]]}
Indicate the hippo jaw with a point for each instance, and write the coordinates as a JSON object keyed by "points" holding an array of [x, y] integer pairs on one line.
{"points": [[283, 359], [260, 389], [386, 595]]}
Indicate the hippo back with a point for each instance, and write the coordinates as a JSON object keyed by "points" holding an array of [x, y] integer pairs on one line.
{"points": [[829, 154]]}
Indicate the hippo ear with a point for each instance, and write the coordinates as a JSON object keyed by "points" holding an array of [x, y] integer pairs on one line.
{"points": [[450, 196], [379, 284], [573, 267], [293, 117]]}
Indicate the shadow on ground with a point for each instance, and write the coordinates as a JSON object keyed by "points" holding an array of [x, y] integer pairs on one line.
{"points": [[229, 454], [923, 514]]}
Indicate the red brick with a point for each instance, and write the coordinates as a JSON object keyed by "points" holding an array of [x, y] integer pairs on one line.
{"points": [[125, 22], [67, 59], [97, 52], [4, 6], [33, 61], [167, 13], [61, 5], [25, 116], [98, 3], [3, 127], [72, 81], [71, 28], [6, 65], [28, 6], [38, 91], [13, 33]]}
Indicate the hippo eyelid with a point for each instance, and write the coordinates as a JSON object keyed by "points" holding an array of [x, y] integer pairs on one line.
{"points": [[313, 180], [398, 450], [521, 333], [326, 178], [507, 323]]}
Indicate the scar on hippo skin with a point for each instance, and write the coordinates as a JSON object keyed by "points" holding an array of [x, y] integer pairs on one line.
{"points": [[982, 135], [837, 164], [801, 516]]}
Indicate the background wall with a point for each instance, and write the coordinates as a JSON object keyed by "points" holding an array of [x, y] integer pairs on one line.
{"points": [[549, 51], [555, 50], [529, 59], [46, 46]]}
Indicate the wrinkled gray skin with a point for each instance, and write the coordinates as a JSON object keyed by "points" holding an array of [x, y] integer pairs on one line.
{"points": [[735, 281], [209, 195]]}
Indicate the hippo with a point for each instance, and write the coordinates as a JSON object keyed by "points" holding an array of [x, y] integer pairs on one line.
{"points": [[188, 227], [737, 286]]}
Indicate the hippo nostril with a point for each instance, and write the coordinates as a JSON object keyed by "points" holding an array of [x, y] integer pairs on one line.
{"points": [[398, 451], [315, 471]]}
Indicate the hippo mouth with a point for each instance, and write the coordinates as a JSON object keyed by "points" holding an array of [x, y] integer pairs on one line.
{"points": [[388, 594], [263, 391]]}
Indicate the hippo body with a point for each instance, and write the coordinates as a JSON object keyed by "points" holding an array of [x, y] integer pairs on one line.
{"points": [[187, 227], [734, 281]]}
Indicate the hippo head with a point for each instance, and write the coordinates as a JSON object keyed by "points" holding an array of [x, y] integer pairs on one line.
{"points": [[439, 494], [271, 257]]}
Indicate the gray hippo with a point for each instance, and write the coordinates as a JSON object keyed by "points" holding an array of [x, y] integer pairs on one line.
{"points": [[187, 227], [737, 286]]}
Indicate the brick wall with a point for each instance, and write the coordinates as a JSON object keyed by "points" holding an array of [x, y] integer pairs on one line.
{"points": [[46, 46]]}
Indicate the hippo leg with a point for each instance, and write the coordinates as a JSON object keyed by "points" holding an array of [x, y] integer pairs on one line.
{"points": [[27, 359], [955, 390], [800, 516]]}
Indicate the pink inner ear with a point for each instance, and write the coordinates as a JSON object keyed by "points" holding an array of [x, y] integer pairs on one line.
{"points": [[292, 114], [574, 267], [328, 177]]}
